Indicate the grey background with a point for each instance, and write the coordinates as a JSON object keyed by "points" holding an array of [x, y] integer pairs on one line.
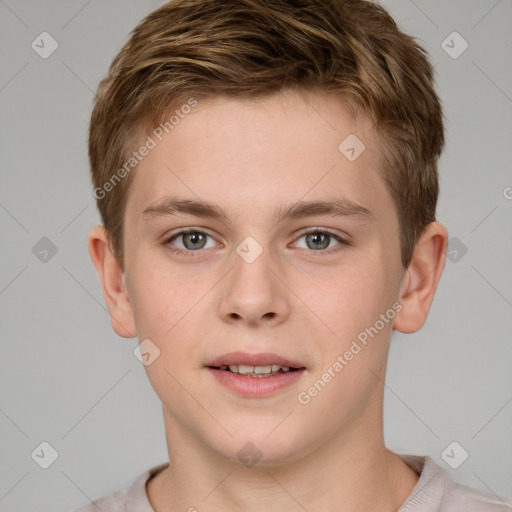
{"points": [[66, 378]]}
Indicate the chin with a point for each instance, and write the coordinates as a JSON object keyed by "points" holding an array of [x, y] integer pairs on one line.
{"points": [[262, 446]]}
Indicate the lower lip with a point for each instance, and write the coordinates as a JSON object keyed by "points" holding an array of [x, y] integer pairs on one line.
{"points": [[256, 386]]}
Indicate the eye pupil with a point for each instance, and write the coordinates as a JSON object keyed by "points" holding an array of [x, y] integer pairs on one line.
{"points": [[195, 238], [320, 240]]}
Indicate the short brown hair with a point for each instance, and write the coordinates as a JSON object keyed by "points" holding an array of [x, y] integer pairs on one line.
{"points": [[250, 48]]}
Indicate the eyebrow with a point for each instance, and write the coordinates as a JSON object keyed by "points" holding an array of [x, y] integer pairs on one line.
{"points": [[199, 208]]}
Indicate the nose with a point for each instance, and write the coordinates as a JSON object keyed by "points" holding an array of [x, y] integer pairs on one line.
{"points": [[254, 293]]}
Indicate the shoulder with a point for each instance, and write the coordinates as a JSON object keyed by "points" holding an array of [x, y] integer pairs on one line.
{"points": [[114, 502], [437, 492], [130, 499], [465, 498]]}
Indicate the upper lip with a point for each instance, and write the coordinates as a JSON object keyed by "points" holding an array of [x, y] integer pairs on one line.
{"points": [[262, 359]]}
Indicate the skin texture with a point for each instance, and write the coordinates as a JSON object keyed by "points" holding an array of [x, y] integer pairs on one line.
{"points": [[295, 300]]}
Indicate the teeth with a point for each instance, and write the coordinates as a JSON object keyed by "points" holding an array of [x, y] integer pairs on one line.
{"points": [[266, 370], [263, 369], [243, 369]]}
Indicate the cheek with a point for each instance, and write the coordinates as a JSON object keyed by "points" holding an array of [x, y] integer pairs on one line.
{"points": [[167, 307], [357, 306], [354, 297], [163, 301]]}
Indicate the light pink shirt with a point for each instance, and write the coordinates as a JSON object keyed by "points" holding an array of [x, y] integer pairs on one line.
{"points": [[435, 491]]}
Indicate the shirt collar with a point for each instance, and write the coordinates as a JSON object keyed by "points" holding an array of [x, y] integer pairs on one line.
{"points": [[432, 487], [137, 497], [427, 496]]}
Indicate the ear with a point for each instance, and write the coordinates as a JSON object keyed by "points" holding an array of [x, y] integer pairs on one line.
{"points": [[421, 278], [112, 281]]}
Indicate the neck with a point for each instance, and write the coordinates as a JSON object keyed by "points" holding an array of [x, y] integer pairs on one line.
{"points": [[349, 472]]}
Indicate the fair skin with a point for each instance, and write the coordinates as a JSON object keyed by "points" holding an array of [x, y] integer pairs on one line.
{"points": [[299, 299]]}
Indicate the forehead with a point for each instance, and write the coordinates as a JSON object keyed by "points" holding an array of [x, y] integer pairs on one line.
{"points": [[286, 146]]}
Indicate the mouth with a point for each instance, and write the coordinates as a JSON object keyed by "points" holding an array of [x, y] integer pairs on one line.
{"points": [[259, 371], [255, 375], [255, 365]]}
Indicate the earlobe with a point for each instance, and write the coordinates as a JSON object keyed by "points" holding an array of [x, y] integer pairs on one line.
{"points": [[112, 282], [421, 278]]}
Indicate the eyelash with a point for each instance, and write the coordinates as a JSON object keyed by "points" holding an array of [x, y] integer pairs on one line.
{"points": [[190, 253]]}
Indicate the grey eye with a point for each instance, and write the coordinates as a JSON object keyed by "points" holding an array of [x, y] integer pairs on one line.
{"points": [[191, 240], [319, 240]]}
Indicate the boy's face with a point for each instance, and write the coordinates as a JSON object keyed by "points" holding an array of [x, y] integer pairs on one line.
{"points": [[285, 291]]}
